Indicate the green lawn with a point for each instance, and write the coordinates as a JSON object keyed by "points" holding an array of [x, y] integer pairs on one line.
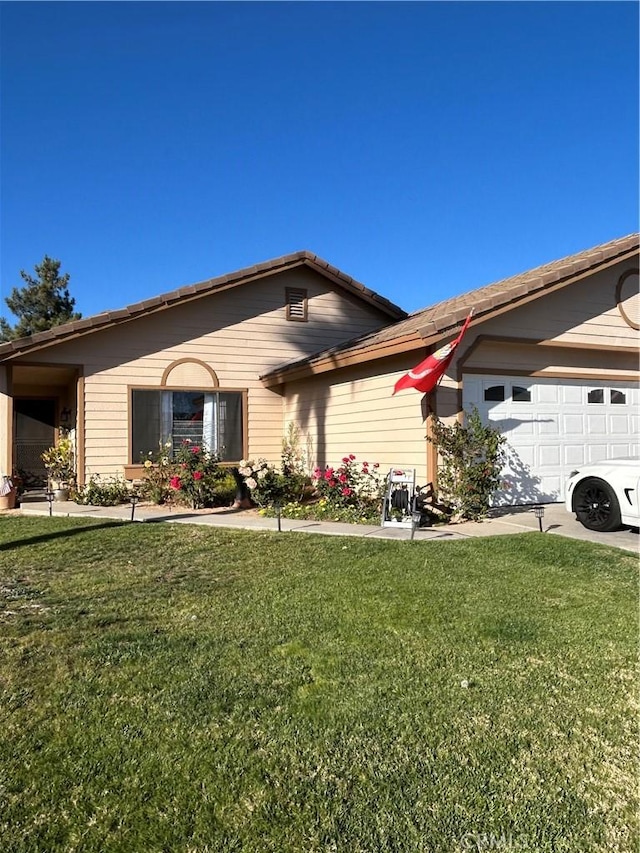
{"points": [[178, 688]]}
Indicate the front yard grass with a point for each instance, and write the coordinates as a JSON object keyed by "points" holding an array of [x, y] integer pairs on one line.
{"points": [[179, 688]]}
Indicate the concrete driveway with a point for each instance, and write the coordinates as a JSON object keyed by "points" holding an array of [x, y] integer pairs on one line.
{"points": [[556, 520]]}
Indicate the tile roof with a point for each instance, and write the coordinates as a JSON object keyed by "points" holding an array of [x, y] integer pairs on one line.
{"points": [[196, 291], [429, 325]]}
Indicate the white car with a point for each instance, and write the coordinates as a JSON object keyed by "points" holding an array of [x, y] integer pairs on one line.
{"points": [[604, 495]]}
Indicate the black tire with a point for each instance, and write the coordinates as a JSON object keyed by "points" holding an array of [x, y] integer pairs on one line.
{"points": [[596, 505]]}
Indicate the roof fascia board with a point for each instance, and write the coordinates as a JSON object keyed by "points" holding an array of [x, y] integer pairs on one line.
{"points": [[422, 338], [430, 337], [191, 293]]}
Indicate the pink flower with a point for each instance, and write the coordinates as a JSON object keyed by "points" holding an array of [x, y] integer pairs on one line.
{"points": [[365, 464], [332, 483], [376, 464], [195, 449], [175, 483], [317, 473], [351, 456], [343, 478], [328, 474], [347, 492], [345, 459], [197, 475]]}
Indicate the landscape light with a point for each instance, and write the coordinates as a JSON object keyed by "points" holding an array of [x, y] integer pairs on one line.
{"points": [[539, 514]]}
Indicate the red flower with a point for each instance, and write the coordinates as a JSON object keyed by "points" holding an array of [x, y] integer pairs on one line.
{"points": [[345, 459], [195, 449], [347, 492], [175, 483], [328, 474], [365, 464], [376, 464], [343, 478], [332, 483], [351, 456], [197, 475]]}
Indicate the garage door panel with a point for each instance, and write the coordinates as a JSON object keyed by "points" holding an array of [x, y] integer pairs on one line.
{"points": [[596, 425], [547, 394], [549, 454], [572, 425], [573, 454], [618, 425], [567, 423]]}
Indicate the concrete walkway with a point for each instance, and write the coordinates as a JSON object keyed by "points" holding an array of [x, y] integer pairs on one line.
{"points": [[517, 520]]}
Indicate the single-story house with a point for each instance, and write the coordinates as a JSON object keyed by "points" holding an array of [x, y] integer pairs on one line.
{"points": [[551, 356]]}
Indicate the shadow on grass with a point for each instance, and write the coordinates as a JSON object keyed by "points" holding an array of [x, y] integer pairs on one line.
{"points": [[58, 534]]}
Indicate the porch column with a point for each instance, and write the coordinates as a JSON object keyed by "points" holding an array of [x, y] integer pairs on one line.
{"points": [[6, 421]]}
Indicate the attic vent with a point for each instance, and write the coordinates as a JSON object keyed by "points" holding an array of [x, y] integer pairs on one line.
{"points": [[296, 304]]}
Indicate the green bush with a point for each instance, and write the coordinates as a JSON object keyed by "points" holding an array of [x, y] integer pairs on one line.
{"points": [[108, 492], [471, 459]]}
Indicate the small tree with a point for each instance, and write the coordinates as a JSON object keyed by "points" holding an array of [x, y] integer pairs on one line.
{"points": [[471, 459], [43, 302]]}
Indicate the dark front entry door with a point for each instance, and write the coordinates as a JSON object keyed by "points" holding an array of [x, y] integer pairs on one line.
{"points": [[33, 433]]}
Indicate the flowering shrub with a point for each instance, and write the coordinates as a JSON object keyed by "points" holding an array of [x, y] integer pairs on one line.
{"points": [[158, 471], [350, 485], [194, 475], [266, 485]]}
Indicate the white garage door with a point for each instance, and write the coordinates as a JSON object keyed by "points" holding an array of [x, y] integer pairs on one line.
{"points": [[552, 426]]}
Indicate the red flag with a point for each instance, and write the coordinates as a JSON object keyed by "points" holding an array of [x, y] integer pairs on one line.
{"points": [[426, 375]]}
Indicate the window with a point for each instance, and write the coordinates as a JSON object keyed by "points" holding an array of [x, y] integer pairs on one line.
{"points": [[212, 419], [596, 396], [520, 394], [618, 398], [494, 394], [296, 304]]}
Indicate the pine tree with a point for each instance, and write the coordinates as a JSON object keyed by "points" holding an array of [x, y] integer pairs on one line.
{"points": [[41, 304]]}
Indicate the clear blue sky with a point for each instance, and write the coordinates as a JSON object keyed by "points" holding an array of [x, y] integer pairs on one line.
{"points": [[423, 148]]}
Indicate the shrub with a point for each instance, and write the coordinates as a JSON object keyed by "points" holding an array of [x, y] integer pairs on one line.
{"points": [[158, 470], [350, 486], [108, 492], [471, 459], [195, 475], [266, 485]]}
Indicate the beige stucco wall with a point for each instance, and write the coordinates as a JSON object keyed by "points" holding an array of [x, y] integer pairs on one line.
{"points": [[240, 334]]}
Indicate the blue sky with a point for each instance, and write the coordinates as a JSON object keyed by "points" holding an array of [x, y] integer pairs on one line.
{"points": [[423, 148]]}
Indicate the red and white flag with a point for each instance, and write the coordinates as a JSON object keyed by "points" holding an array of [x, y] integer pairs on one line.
{"points": [[426, 375]]}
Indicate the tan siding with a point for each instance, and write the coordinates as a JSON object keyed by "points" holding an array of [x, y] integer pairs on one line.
{"points": [[240, 334], [356, 414], [584, 313]]}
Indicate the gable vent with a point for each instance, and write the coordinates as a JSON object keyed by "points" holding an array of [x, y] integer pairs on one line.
{"points": [[296, 304]]}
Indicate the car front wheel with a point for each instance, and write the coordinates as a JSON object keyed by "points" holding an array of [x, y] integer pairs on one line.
{"points": [[596, 506]]}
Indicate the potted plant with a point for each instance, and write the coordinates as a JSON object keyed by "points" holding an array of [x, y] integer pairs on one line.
{"points": [[59, 462], [7, 492]]}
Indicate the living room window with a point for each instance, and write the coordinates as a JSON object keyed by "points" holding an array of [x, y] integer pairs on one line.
{"points": [[213, 420]]}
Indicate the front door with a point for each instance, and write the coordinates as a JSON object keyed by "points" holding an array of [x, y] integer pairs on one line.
{"points": [[33, 433]]}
